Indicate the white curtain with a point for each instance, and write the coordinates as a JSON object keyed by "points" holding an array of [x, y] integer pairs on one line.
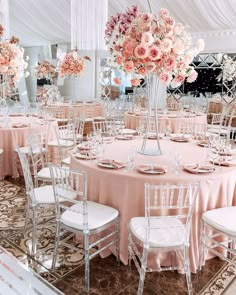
{"points": [[49, 21], [88, 19]]}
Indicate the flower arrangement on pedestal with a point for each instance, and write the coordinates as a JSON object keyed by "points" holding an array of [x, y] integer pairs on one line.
{"points": [[154, 47], [45, 70], [71, 64], [48, 93], [142, 43], [12, 64]]}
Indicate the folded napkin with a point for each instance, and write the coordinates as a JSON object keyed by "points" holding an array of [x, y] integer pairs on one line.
{"points": [[199, 168], [113, 163], [16, 115], [124, 137], [152, 169], [180, 139]]}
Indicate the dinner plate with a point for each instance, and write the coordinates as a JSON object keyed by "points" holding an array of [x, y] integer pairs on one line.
{"points": [[225, 163], [85, 157], [128, 131], [198, 169], [203, 143], [148, 169], [124, 137], [110, 165], [180, 139]]}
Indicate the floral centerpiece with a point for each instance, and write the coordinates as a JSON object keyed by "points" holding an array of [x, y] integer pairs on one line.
{"points": [[45, 70], [142, 43], [12, 64], [153, 46], [71, 64], [48, 93]]}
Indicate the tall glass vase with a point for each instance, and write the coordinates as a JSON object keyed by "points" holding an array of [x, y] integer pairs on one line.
{"points": [[151, 147], [3, 91]]}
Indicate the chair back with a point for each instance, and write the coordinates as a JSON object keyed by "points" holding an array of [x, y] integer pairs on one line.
{"points": [[27, 176], [66, 132], [67, 184], [170, 201]]}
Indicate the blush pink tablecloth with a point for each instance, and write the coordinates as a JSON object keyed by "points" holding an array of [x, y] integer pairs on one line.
{"points": [[171, 119], [93, 108], [125, 190], [11, 136]]}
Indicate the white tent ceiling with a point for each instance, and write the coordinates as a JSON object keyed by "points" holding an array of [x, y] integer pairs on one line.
{"points": [[48, 21]]}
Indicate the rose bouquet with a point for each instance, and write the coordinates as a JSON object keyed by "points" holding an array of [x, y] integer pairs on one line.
{"points": [[71, 64], [45, 70], [12, 62], [142, 43], [49, 92]]}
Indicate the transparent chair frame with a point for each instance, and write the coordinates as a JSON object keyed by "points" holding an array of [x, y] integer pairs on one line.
{"points": [[176, 202], [75, 182]]}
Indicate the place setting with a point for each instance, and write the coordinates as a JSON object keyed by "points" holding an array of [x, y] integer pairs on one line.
{"points": [[152, 169]]}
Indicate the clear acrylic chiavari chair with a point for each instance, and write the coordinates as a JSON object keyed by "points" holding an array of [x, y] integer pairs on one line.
{"points": [[165, 228], [82, 217]]}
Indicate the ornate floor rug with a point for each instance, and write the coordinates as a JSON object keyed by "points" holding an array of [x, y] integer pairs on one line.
{"points": [[222, 282]]}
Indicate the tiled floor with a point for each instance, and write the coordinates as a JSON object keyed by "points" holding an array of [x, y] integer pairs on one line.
{"points": [[106, 276]]}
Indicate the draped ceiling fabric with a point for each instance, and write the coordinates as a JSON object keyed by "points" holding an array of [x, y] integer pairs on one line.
{"points": [[48, 21], [87, 33]]}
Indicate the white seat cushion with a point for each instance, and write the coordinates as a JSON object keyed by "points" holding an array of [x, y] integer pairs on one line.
{"points": [[223, 219], [98, 215], [64, 143], [66, 161], [168, 232], [45, 194], [45, 173]]}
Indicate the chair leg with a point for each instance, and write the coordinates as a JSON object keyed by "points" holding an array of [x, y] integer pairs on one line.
{"points": [[34, 230], [187, 270], [118, 241], [86, 256], [142, 271], [57, 241], [26, 216], [202, 246]]}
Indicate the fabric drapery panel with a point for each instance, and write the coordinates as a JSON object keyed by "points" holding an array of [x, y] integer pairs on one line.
{"points": [[48, 21], [88, 19]]}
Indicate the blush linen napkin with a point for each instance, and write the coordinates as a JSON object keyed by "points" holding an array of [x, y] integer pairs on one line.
{"points": [[115, 164]]}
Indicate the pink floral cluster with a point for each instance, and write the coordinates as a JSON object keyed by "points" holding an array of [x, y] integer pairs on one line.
{"points": [[45, 70], [72, 64], [142, 43], [12, 61]]}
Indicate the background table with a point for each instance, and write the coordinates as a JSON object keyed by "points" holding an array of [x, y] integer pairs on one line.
{"points": [[171, 119], [91, 108], [11, 136], [125, 190]]}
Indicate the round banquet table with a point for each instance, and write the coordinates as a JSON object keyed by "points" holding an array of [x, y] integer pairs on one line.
{"points": [[171, 119], [125, 190], [16, 132], [94, 108]]}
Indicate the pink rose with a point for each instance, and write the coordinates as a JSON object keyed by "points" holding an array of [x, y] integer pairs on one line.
{"points": [[140, 51], [119, 59], [192, 77], [164, 78], [170, 21], [117, 81], [145, 17], [147, 39], [178, 80], [150, 66], [166, 45], [163, 13], [178, 28], [154, 53], [135, 82], [178, 46], [129, 66], [169, 63], [142, 71]]}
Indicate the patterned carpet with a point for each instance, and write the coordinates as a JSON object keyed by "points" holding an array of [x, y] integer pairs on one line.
{"points": [[106, 277]]}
